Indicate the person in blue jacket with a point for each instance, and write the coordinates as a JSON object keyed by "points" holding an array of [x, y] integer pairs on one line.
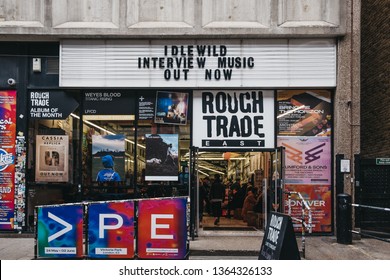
{"points": [[108, 174]]}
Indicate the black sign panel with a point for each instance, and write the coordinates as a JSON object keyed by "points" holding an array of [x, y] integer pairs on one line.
{"points": [[51, 104], [108, 102], [279, 242]]}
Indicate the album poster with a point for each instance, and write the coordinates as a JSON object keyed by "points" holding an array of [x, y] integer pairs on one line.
{"points": [[52, 158], [162, 151], [171, 107], [113, 145]]}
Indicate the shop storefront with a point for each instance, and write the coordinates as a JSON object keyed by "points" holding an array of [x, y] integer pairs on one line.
{"points": [[144, 105]]}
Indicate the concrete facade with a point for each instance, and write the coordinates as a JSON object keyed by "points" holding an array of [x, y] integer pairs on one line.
{"points": [[163, 18], [46, 20]]}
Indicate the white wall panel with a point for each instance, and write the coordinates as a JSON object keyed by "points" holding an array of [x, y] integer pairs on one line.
{"points": [[276, 63]]}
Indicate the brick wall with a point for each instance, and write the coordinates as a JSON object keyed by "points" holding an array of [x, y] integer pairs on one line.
{"points": [[375, 79]]}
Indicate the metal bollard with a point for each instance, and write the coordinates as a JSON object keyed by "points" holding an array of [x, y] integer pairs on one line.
{"points": [[344, 219]]}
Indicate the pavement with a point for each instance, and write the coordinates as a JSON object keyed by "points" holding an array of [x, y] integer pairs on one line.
{"points": [[232, 245]]}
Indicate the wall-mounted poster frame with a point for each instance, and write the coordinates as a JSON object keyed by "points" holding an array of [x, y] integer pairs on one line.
{"points": [[52, 158], [171, 108]]}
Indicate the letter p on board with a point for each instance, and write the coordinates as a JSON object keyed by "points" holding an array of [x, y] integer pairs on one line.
{"points": [[103, 226]]}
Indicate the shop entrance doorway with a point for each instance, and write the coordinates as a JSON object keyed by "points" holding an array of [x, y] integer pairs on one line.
{"points": [[253, 186]]}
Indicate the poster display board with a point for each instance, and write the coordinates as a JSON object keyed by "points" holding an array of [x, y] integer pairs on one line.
{"points": [[52, 158], [163, 224], [304, 121], [7, 158], [111, 230], [162, 157], [60, 231], [234, 119], [160, 233]]}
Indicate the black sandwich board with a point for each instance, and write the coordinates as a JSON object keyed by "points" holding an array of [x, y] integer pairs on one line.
{"points": [[279, 242]]}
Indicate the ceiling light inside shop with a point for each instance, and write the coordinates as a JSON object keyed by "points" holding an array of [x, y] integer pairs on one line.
{"points": [[105, 130], [109, 117]]}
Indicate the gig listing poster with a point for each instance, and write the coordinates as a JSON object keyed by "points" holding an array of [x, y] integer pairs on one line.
{"points": [[163, 224], [319, 199], [304, 113], [308, 160], [7, 158], [60, 231], [111, 230]]}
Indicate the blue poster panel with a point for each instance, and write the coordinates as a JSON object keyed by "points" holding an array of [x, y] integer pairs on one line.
{"points": [[60, 231], [111, 230]]}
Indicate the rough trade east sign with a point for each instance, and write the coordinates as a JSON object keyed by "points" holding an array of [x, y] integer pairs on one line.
{"points": [[234, 119]]}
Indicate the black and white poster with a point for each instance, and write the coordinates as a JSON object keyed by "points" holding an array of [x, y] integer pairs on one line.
{"points": [[234, 119], [162, 151]]}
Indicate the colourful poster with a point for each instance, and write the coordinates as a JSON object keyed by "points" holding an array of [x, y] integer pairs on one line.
{"points": [[171, 107], [108, 145], [162, 157], [111, 230], [60, 231], [308, 160], [319, 199], [304, 113], [162, 228], [7, 158], [52, 158]]}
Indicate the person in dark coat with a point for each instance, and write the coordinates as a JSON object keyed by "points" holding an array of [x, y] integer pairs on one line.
{"points": [[217, 196]]}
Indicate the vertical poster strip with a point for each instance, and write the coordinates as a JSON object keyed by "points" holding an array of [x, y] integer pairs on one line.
{"points": [[60, 231], [7, 158], [304, 129], [111, 230], [52, 158], [162, 157], [162, 228], [20, 183]]}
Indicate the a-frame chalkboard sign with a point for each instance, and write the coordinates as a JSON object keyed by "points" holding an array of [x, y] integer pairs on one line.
{"points": [[279, 242]]}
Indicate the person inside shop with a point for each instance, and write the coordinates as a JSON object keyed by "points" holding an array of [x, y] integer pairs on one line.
{"points": [[108, 174], [249, 202], [217, 195], [202, 201], [232, 203]]}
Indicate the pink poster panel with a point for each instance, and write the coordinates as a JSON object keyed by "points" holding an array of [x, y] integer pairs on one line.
{"points": [[308, 160], [162, 228], [318, 197], [7, 158]]}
